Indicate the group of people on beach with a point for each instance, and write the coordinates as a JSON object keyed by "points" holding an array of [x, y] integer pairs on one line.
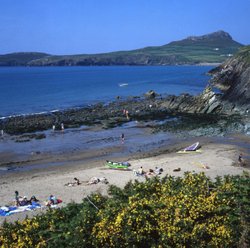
{"points": [[149, 173], [92, 180], [24, 201]]}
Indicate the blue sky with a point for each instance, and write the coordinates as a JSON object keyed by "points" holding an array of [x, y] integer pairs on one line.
{"points": [[95, 26]]}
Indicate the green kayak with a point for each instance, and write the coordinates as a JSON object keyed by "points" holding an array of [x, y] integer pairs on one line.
{"points": [[117, 165]]}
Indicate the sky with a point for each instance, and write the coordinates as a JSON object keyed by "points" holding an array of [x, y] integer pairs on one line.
{"points": [[96, 26]]}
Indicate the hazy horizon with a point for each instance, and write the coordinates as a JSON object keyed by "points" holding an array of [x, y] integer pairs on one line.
{"points": [[92, 26]]}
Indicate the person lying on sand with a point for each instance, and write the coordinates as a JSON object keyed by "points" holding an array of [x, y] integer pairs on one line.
{"points": [[150, 173], [158, 171], [23, 201], [33, 199], [95, 180], [75, 183]]}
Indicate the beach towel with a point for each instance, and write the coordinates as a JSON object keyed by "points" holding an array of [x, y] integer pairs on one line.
{"points": [[6, 211], [56, 205]]}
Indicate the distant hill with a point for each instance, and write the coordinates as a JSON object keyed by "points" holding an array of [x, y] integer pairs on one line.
{"points": [[210, 48], [20, 59]]}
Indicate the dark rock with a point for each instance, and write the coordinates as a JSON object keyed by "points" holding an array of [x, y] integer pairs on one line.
{"points": [[150, 94], [233, 78], [110, 115]]}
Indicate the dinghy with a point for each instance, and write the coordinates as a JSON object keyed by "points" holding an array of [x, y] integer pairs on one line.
{"points": [[117, 165], [193, 147]]}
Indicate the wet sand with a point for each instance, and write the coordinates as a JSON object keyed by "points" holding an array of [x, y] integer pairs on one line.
{"points": [[50, 171]]}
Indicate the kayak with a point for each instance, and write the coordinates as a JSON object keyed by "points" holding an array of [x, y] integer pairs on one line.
{"points": [[117, 165]]}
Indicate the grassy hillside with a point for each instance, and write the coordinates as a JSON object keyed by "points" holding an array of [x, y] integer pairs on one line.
{"points": [[210, 48], [244, 54], [17, 59]]}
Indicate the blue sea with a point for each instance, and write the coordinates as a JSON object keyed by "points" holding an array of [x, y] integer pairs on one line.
{"points": [[27, 90]]}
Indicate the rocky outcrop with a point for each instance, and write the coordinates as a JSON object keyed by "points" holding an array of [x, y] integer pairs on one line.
{"points": [[150, 94], [233, 78], [144, 108]]}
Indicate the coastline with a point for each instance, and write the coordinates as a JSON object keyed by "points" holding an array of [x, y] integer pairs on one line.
{"points": [[219, 157]]}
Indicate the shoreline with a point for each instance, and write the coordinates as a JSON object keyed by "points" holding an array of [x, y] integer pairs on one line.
{"points": [[219, 157], [95, 144]]}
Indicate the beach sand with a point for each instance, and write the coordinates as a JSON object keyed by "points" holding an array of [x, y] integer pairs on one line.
{"points": [[215, 159]]}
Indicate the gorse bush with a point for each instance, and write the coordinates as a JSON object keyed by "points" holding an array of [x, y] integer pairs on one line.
{"points": [[192, 211]]}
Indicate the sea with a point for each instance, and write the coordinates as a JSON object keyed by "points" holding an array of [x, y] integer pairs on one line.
{"points": [[29, 90]]}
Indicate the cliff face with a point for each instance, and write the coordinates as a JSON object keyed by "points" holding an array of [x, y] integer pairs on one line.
{"points": [[233, 78]]}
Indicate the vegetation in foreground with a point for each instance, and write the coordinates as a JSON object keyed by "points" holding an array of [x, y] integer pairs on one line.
{"points": [[192, 211]]}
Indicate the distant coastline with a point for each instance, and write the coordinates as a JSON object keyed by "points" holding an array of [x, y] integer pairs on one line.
{"points": [[210, 48]]}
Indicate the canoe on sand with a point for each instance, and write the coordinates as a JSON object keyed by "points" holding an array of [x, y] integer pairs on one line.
{"points": [[117, 165]]}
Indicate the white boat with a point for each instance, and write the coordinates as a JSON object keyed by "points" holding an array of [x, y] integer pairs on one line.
{"points": [[122, 85], [193, 147]]}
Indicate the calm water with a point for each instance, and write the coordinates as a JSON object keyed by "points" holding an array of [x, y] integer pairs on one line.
{"points": [[25, 90]]}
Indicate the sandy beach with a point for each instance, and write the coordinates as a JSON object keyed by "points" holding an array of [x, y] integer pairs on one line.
{"points": [[215, 159]]}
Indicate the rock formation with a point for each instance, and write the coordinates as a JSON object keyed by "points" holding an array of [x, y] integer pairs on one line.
{"points": [[233, 78]]}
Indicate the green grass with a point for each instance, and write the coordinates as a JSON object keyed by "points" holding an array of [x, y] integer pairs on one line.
{"points": [[213, 48], [244, 53]]}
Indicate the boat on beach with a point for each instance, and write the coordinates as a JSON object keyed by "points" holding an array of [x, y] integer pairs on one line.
{"points": [[117, 165], [192, 147]]}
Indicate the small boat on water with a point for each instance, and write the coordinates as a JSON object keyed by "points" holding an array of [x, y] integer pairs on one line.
{"points": [[124, 84], [117, 165], [193, 147]]}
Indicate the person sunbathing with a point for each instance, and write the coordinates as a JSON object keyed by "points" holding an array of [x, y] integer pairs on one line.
{"points": [[52, 200], [21, 201], [158, 171], [95, 180], [149, 173], [24, 201], [75, 183], [33, 199]]}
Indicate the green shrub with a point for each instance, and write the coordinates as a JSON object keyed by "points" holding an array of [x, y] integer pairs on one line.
{"points": [[192, 211]]}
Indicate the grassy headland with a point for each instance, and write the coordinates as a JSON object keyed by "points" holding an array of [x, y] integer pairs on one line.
{"points": [[211, 48]]}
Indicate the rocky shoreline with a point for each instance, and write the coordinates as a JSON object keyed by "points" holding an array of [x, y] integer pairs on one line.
{"points": [[206, 114], [185, 112]]}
